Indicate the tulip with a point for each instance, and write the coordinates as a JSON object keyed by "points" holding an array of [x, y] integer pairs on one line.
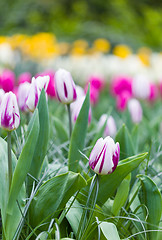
{"points": [[153, 92], [135, 109], [9, 112], [76, 107], [24, 77], [110, 128], [2, 93], [121, 84], [65, 87], [51, 85], [35, 90], [22, 95], [141, 87], [104, 156], [7, 80], [97, 82], [122, 100]]}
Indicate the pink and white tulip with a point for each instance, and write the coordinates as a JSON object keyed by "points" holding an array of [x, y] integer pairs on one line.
{"points": [[35, 90], [22, 94], [65, 87], [135, 110], [9, 112], [104, 156]]}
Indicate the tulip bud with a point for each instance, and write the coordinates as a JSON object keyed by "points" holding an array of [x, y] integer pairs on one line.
{"points": [[22, 95], [35, 90], [76, 107], [105, 155], [110, 128], [65, 87], [9, 112], [135, 109]]}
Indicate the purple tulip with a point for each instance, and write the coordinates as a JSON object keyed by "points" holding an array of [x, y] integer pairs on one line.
{"points": [[105, 155], [9, 112], [65, 87]]}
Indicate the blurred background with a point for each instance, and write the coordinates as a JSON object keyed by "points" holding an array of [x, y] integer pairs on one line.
{"points": [[132, 22]]}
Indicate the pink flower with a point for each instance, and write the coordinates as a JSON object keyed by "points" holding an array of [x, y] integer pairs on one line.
{"points": [[24, 77], [121, 84], [9, 112], [122, 100], [153, 92], [7, 80], [97, 82], [104, 156]]}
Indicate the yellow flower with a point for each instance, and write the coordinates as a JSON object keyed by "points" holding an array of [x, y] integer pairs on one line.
{"points": [[122, 51], [101, 45], [79, 47], [144, 55]]}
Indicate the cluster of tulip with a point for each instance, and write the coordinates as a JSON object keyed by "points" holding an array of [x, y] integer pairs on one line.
{"points": [[105, 155]]}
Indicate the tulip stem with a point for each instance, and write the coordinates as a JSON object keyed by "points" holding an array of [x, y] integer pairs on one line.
{"points": [[70, 123], [9, 159]]}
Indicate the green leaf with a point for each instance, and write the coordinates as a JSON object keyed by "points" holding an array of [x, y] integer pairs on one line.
{"points": [[10, 222], [110, 182], [23, 164], [109, 231], [74, 214], [121, 195], [151, 197], [41, 143], [53, 195], [78, 135], [60, 130], [125, 140]]}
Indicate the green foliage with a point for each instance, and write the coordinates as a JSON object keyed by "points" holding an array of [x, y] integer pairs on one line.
{"points": [[53, 195], [110, 182], [151, 197], [42, 142], [78, 135]]}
